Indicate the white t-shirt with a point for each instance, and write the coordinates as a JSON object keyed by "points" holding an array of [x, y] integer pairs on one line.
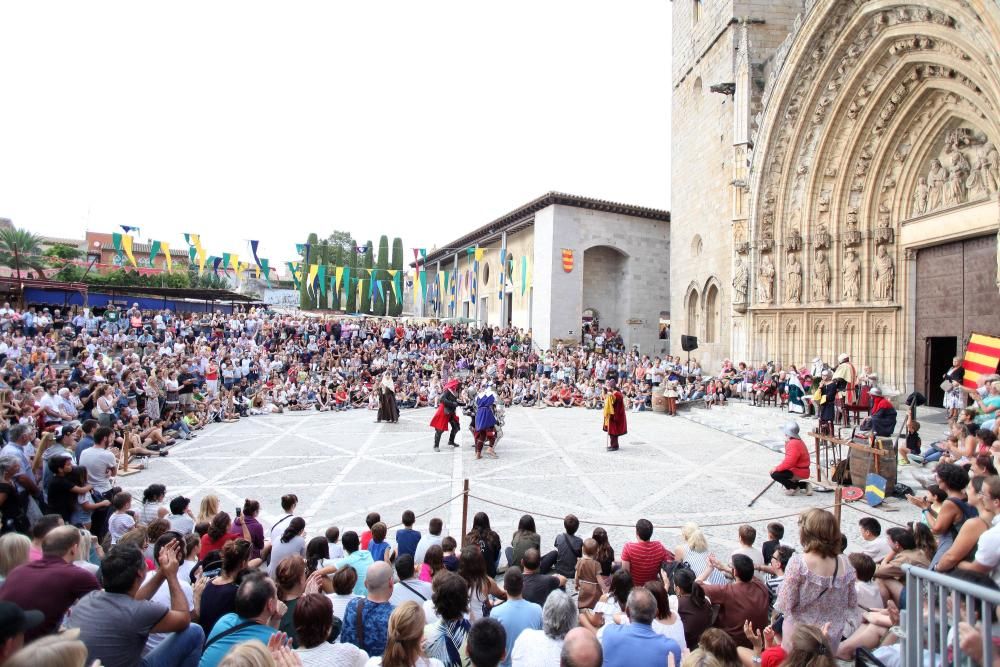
{"points": [[673, 631], [332, 655], [877, 549], [534, 648], [421, 662], [98, 462], [988, 551]]}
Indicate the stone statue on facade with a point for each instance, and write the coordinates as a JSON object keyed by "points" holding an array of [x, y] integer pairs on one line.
{"points": [[920, 194], [794, 278], [885, 275], [741, 280], [937, 177], [884, 232], [765, 280], [822, 275], [982, 181], [823, 238], [954, 190], [852, 276]]}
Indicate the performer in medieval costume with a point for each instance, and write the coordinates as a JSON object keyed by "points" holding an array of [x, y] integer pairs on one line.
{"points": [[387, 409], [447, 415], [614, 414], [847, 379], [795, 394], [486, 421]]}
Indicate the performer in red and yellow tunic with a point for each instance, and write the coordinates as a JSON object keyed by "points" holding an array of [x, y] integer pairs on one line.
{"points": [[447, 415], [614, 414]]}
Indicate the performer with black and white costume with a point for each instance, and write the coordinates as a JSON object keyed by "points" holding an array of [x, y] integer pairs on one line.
{"points": [[486, 421], [388, 411]]}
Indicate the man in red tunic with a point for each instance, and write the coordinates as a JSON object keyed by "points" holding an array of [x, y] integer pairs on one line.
{"points": [[614, 414], [447, 415], [793, 471]]}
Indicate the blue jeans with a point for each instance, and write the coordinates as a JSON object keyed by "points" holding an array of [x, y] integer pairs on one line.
{"points": [[931, 454], [180, 649]]}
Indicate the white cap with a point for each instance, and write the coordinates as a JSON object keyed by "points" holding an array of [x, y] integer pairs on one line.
{"points": [[843, 357]]}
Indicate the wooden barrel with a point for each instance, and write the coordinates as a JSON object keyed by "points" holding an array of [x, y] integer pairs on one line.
{"points": [[659, 402], [863, 463]]}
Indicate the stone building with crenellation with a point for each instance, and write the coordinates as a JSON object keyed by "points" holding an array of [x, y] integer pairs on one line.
{"points": [[835, 165]]}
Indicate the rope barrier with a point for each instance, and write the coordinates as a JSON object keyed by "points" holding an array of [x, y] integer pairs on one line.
{"points": [[428, 511]]}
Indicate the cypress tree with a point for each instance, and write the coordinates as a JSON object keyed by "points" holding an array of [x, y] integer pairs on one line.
{"points": [[366, 293], [381, 264], [306, 301], [396, 301]]}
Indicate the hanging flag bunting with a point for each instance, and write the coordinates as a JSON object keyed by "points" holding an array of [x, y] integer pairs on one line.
{"points": [[423, 254], [503, 272], [474, 287], [398, 285], [311, 278], [321, 277], [423, 286], [416, 256], [294, 270], [234, 261], [524, 274], [480, 252], [470, 252], [346, 284], [191, 253], [225, 262], [194, 240], [357, 302], [215, 261], [265, 268], [253, 251], [116, 239], [338, 272], [129, 230], [392, 283], [166, 257], [361, 249], [154, 250], [127, 247], [300, 248]]}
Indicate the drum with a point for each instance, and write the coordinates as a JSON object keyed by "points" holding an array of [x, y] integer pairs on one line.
{"points": [[659, 402]]}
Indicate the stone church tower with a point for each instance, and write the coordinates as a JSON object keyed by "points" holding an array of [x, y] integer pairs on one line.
{"points": [[856, 209], [721, 53]]}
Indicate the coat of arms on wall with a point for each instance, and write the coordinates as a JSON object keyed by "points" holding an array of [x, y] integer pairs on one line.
{"points": [[567, 259]]}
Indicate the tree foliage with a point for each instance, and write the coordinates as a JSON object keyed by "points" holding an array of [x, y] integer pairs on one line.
{"points": [[20, 250], [396, 300]]}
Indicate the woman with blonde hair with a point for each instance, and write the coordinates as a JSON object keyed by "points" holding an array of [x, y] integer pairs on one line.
{"points": [[14, 549], [404, 647], [695, 552], [809, 648], [819, 583], [208, 509], [254, 654], [62, 650]]}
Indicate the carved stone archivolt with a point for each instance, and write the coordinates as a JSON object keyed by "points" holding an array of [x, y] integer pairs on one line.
{"points": [[967, 168]]}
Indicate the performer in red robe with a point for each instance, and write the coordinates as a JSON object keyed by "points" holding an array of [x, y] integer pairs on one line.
{"points": [[614, 414], [447, 415]]}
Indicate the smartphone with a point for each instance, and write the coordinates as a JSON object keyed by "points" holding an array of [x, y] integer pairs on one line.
{"points": [[239, 511]]}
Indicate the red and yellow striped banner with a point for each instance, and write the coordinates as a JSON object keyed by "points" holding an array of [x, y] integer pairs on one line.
{"points": [[567, 260], [981, 358]]}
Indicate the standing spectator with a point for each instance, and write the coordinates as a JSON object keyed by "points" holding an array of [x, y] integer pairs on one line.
{"points": [[369, 632], [642, 559], [101, 465], [819, 583], [636, 643], [51, 584], [517, 614], [115, 623], [543, 648]]}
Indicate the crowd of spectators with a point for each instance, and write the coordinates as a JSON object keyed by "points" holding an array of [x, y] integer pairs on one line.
{"points": [[90, 572]]}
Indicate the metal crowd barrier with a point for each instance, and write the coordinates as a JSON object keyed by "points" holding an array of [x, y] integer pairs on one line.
{"points": [[927, 619]]}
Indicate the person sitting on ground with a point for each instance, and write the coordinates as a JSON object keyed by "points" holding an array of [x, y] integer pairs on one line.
{"points": [[581, 649], [409, 586], [906, 550], [313, 622], [218, 595], [116, 622], [404, 646], [954, 512], [524, 538], [537, 586], [539, 648], [775, 532], [258, 613], [445, 639], [568, 548], [485, 644], [407, 539], [636, 643], [747, 535], [667, 622], [369, 633], [642, 559], [517, 614], [610, 608], [746, 599], [51, 584], [586, 579], [433, 536], [482, 588], [377, 546], [873, 542]]}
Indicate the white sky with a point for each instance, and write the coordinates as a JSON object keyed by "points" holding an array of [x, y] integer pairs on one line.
{"points": [[249, 120]]}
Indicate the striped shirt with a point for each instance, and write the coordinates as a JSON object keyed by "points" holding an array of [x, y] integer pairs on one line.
{"points": [[644, 559]]}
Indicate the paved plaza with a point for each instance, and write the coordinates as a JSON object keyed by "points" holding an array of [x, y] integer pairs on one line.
{"points": [[552, 461]]}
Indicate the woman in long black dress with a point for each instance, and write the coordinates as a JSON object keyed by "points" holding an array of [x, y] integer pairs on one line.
{"points": [[387, 409]]}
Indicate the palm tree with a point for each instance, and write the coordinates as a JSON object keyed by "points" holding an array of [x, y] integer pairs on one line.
{"points": [[19, 247]]}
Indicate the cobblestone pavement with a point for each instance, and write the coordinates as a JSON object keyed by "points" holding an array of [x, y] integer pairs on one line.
{"points": [[703, 466]]}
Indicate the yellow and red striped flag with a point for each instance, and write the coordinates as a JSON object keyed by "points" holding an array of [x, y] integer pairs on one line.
{"points": [[981, 358]]}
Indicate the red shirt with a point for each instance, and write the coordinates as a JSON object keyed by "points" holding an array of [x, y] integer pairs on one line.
{"points": [[796, 459], [50, 585], [366, 538], [208, 544], [644, 559]]}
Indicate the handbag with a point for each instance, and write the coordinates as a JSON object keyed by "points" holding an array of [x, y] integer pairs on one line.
{"points": [[946, 386]]}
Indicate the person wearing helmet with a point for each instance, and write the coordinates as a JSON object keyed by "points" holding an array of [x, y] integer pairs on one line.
{"points": [[486, 421], [793, 471]]}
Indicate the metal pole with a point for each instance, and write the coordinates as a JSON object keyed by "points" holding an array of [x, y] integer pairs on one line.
{"points": [[465, 508], [838, 501]]}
